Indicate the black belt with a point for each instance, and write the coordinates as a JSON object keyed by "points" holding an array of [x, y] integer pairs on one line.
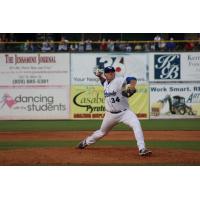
{"points": [[116, 112]]}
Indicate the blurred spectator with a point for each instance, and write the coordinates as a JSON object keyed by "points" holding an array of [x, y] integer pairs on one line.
{"points": [[152, 47], [128, 47], [63, 45], [4, 39], [117, 45], [45, 47], [103, 45], [110, 45], [170, 46], [95, 45], [189, 46], [52, 46], [161, 44], [88, 45], [146, 47], [198, 44], [73, 47], [157, 38], [28, 46], [1, 44], [122, 46], [138, 47], [81, 46], [11, 43]]}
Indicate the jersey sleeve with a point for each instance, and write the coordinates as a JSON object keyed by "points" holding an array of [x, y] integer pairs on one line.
{"points": [[121, 82]]}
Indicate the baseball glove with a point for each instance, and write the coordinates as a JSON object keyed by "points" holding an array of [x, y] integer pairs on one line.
{"points": [[127, 90]]}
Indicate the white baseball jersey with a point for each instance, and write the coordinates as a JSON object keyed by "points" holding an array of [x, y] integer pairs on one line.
{"points": [[114, 101]]}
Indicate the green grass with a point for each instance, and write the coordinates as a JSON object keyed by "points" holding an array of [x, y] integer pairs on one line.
{"points": [[189, 145], [80, 125], [37, 144]]}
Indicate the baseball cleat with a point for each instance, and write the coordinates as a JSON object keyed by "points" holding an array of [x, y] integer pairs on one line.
{"points": [[145, 152], [82, 144]]}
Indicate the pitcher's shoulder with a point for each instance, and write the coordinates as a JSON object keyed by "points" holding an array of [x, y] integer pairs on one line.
{"points": [[120, 79]]}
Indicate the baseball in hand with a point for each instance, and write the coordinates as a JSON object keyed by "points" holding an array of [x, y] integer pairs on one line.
{"points": [[97, 72]]}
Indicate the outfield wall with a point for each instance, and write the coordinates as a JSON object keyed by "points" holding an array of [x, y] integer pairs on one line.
{"points": [[63, 86]]}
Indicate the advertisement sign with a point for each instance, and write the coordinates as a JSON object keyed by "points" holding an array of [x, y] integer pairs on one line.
{"points": [[31, 103], [139, 102], [174, 67], [181, 100], [125, 64], [35, 70], [87, 102]]}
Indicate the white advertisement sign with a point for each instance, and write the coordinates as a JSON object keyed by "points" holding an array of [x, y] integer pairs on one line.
{"points": [[175, 100], [32, 69], [174, 66], [125, 64], [29, 103]]}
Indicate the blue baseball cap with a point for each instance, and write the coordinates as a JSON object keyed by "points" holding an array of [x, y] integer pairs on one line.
{"points": [[129, 79], [109, 69]]}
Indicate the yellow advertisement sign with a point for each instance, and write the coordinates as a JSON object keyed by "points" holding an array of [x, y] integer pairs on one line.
{"points": [[87, 102], [139, 102]]}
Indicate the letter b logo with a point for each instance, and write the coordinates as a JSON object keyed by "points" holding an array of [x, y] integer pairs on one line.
{"points": [[167, 66]]}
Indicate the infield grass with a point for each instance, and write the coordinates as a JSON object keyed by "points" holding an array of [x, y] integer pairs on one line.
{"points": [[90, 125]]}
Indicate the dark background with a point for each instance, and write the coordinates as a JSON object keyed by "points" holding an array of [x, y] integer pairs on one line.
{"points": [[96, 36]]}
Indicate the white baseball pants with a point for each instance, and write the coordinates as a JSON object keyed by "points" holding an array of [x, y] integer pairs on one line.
{"points": [[110, 120]]}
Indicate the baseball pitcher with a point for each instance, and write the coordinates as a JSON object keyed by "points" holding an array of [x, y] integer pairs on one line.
{"points": [[117, 90]]}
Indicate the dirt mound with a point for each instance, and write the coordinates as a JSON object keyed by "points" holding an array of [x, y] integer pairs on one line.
{"points": [[97, 156]]}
